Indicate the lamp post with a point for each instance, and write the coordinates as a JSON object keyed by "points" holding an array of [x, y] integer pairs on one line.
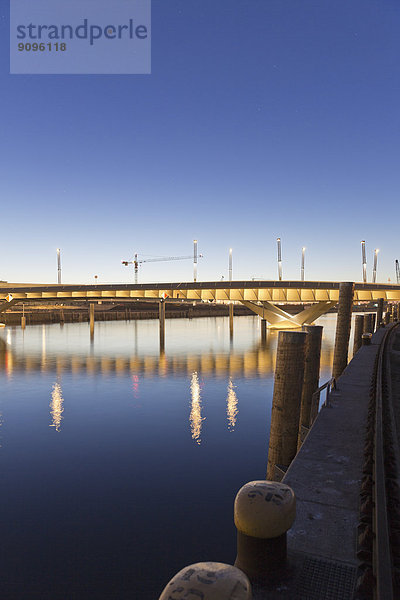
{"points": [[278, 240], [58, 266], [194, 260], [364, 261], [375, 265]]}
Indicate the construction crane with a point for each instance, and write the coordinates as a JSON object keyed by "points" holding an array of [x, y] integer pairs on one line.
{"points": [[397, 271], [136, 262]]}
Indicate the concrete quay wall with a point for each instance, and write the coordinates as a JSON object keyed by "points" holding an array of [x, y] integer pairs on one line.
{"points": [[326, 478]]}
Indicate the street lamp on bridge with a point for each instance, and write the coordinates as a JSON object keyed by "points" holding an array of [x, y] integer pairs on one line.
{"points": [[303, 251]]}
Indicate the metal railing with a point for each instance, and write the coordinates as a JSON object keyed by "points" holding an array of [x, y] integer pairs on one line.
{"points": [[315, 400]]}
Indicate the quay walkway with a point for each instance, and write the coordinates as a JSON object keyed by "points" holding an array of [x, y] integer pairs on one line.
{"points": [[326, 477]]}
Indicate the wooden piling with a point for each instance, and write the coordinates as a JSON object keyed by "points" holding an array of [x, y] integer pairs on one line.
{"points": [[311, 375], [358, 331], [343, 326], [289, 374], [390, 312], [379, 312], [367, 323]]}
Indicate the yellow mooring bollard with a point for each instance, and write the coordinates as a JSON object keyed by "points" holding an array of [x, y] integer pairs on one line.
{"points": [[208, 581], [263, 512]]}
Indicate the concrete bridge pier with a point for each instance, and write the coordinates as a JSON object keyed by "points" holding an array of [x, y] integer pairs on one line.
{"points": [[263, 330], [23, 318], [343, 326], [91, 320], [231, 320], [161, 314]]}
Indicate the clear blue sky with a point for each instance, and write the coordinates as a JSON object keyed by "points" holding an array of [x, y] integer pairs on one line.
{"points": [[261, 118]]}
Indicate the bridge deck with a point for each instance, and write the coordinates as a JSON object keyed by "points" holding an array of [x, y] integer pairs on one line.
{"points": [[270, 291]]}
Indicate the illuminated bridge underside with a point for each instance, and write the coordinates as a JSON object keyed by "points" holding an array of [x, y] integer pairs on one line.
{"points": [[267, 292], [279, 319]]}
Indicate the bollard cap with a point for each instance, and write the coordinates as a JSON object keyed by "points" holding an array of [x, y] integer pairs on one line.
{"points": [[208, 581], [264, 509], [366, 339]]}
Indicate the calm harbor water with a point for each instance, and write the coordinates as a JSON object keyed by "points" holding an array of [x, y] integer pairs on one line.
{"points": [[120, 466]]}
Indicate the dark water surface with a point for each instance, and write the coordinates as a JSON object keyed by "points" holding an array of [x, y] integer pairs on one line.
{"points": [[118, 466]]}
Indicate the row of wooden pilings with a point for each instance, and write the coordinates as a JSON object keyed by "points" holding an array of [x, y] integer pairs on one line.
{"points": [[265, 510]]}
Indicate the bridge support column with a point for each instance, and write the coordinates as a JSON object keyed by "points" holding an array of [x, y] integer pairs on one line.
{"points": [[263, 330], [288, 384], [161, 314], [343, 326], [311, 376], [358, 331], [91, 319], [231, 320]]}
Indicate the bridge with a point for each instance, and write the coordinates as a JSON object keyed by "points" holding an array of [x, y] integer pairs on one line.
{"points": [[262, 297], [345, 475]]}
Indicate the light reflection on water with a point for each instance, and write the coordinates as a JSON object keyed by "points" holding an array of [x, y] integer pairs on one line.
{"points": [[195, 410], [61, 353], [56, 406], [146, 443], [231, 406]]}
